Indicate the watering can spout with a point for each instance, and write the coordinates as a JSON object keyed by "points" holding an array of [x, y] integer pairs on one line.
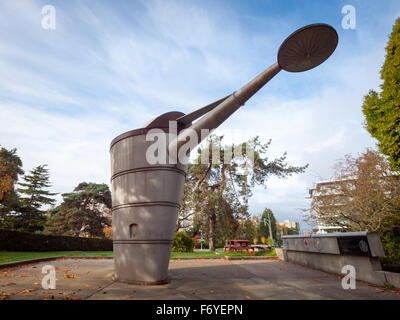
{"points": [[220, 110], [303, 50]]}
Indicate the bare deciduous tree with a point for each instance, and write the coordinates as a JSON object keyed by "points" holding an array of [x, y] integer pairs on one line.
{"points": [[365, 195]]}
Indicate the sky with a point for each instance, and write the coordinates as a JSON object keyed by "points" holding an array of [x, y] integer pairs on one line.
{"points": [[110, 66]]}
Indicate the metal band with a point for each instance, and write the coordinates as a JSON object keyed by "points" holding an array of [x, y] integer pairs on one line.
{"points": [[160, 122], [147, 204], [143, 169], [132, 133], [238, 103], [143, 241]]}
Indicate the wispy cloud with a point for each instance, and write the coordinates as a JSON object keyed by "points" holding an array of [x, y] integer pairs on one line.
{"points": [[110, 67]]}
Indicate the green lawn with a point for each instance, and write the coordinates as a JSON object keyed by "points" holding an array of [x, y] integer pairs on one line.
{"points": [[221, 254], [13, 256]]}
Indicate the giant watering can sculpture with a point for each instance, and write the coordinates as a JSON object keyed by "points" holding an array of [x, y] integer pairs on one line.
{"points": [[146, 196]]}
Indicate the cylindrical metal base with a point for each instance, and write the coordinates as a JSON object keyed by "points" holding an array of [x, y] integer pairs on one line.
{"points": [[145, 208], [145, 264]]}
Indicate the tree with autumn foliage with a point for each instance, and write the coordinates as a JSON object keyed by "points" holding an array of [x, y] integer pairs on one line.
{"points": [[10, 169], [365, 196], [382, 110]]}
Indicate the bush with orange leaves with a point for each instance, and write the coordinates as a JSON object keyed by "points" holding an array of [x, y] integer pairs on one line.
{"points": [[108, 231]]}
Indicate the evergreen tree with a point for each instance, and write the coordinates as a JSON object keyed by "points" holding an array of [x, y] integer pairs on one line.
{"points": [[223, 186], [33, 193], [264, 228], [246, 230], [82, 211], [382, 111], [33, 196]]}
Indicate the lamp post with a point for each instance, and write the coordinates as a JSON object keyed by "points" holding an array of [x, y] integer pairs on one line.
{"points": [[270, 230]]}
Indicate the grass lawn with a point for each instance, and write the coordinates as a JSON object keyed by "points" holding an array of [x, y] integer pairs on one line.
{"points": [[221, 254], [13, 256]]}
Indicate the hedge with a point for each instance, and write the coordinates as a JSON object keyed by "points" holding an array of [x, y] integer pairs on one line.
{"points": [[390, 264], [23, 241]]}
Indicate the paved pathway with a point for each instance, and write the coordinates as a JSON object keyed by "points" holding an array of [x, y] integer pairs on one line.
{"points": [[190, 279]]}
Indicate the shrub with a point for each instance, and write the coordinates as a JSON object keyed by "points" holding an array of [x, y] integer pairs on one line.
{"points": [[182, 242], [218, 243], [391, 244]]}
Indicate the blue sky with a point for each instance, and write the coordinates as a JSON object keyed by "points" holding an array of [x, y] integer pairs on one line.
{"points": [[110, 66]]}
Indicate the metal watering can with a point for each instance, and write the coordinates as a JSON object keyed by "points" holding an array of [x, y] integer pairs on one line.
{"points": [[146, 195]]}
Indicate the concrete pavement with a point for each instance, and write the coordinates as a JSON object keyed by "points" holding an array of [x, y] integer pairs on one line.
{"points": [[190, 279]]}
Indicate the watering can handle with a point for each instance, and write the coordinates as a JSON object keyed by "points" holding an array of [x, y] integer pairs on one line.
{"points": [[188, 118]]}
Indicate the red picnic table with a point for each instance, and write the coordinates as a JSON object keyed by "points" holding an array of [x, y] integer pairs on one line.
{"points": [[239, 246]]}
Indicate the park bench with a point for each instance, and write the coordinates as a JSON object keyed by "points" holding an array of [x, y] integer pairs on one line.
{"points": [[238, 246]]}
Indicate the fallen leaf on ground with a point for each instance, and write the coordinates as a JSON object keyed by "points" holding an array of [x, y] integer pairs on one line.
{"points": [[4, 296], [26, 291], [69, 276], [248, 298], [10, 284]]}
